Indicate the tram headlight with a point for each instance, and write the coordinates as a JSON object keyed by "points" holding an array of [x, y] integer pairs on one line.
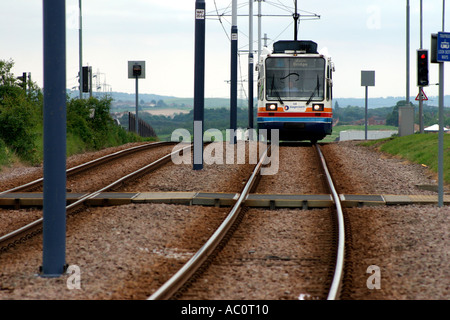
{"points": [[317, 107], [271, 107]]}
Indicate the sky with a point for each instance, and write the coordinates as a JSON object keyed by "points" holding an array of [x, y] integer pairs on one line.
{"points": [[357, 34]]}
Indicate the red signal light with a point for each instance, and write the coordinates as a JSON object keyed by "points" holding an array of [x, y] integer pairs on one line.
{"points": [[422, 68]]}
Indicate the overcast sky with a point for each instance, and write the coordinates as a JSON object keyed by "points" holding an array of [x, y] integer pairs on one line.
{"points": [[357, 34]]}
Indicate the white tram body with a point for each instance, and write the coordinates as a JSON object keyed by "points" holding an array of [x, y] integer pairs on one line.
{"points": [[295, 91]]}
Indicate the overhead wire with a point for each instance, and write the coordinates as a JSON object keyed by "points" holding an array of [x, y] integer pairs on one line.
{"points": [[220, 20], [240, 75], [280, 5], [220, 14]]}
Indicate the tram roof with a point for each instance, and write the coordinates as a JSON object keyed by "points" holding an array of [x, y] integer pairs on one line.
{"points": [[306, 46]]}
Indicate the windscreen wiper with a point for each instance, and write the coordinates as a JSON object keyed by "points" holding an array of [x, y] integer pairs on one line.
{"points": [[276, 91], [292, 74], [316, 88]]}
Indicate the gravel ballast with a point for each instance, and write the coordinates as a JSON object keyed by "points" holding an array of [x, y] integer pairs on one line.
{"points": [[126, 252]]}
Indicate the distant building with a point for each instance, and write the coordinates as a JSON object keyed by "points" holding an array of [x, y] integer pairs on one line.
{"points": [[376, 121], [360, 134], [434, 128], [372, 121]]}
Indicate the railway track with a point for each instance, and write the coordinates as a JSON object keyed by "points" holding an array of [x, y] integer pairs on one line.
{"points": [[28, 231], [340, 254], [114, 246], [179, 286], [85, 167]]}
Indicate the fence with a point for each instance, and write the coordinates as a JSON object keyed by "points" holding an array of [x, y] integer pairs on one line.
{"points": [[145, 130]]}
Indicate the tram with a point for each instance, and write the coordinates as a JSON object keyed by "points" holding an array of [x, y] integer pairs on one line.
{"points": [[295, 91]]}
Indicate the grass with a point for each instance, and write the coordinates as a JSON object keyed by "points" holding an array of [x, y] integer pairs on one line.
{"points": [[74, 145], [7, 157], [4, 158], [417, 148]]}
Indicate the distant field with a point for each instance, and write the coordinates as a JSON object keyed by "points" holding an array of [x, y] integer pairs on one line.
{"points": [[166, 112]]}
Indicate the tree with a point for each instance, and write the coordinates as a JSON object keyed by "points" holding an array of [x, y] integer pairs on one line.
{"points": [[392, 119], [161, 104], [336, 106], [20, 113], [6, 77]]}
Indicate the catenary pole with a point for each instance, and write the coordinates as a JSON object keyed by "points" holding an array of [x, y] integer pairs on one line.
{"points": [[234, 75], [296, 17], [250, 67], [54, 217], [420, 87], [441, 124], [407, 53], [80, 48], [199, 83], [259, 28]]}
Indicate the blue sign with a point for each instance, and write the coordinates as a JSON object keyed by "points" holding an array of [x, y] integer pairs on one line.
{"points": [[443, 47]]}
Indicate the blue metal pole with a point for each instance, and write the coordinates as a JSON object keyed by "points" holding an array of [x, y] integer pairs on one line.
{"points": [[441, 124], [234, 73], [54, 221], [250, 91], [80, 48], [199, 83], [250, 67]]}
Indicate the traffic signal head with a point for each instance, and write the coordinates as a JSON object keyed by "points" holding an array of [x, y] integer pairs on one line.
{"points": [[422, 68], [137, 70], [86, 86], [23, 79]]}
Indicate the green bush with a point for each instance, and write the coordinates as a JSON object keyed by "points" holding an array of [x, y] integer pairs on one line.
{"points": [[89, 124], [4, 158], [20, 114], [90, 120], [77, 120], [18, 118]]}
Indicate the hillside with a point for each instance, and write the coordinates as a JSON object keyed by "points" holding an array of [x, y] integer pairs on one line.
{"points": [[126, 101], [381, 102], [121, 98], [167, 113]]}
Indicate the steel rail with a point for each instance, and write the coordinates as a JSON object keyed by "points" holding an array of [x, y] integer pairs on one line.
{"points": [[131, 175], [37, 223], [339, 266], [91, 164], [171, 286]]}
